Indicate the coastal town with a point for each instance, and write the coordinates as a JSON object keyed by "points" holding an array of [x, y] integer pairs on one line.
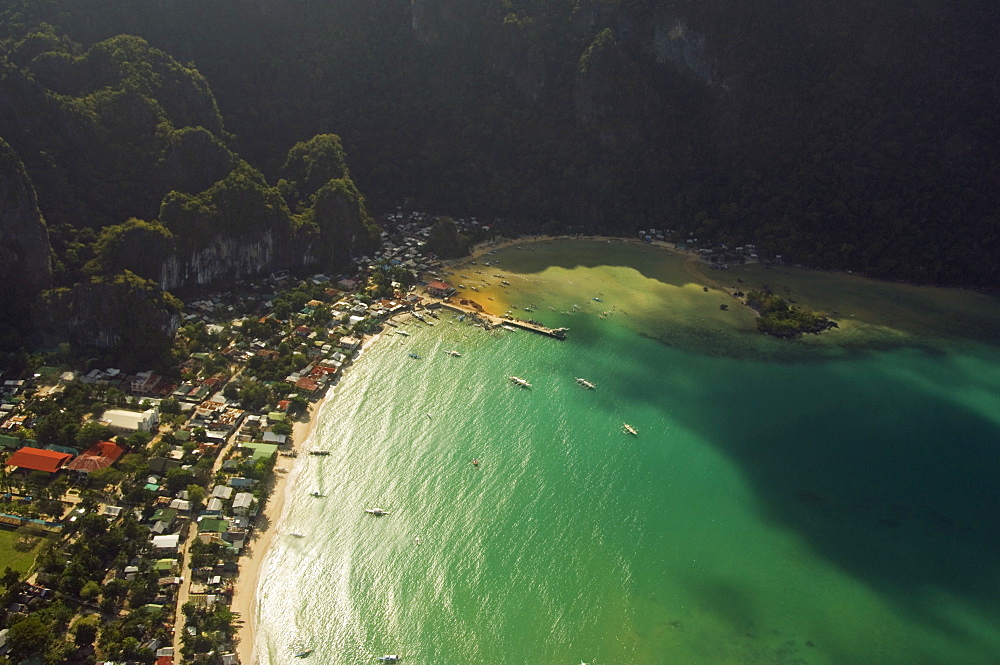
{"points": [[132, 500], [129, 498]]}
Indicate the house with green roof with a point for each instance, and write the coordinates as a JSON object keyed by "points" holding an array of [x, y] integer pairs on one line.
{"points": [[212, 525], [167, 515], [261, 450], [166, 566], [13, 443]]}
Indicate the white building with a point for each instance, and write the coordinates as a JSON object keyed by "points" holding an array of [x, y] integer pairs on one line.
{"points": [[131, 421], [242, 503]]}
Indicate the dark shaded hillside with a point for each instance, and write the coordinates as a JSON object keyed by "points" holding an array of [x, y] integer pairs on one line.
{"points": [[119, 183], [839, 134]]}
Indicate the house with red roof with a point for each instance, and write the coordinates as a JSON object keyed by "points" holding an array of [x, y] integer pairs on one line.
{"points": [[440, 289], [306, 384], [101, 455], [38, 459]]}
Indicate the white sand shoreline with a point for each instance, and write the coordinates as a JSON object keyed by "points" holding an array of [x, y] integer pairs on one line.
{"points": [[251, 564]]}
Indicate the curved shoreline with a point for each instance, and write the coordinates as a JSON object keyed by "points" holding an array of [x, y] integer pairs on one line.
{"points": [[245, 601], [251, 562]]}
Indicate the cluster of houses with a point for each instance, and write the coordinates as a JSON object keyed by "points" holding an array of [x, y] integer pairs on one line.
{"points": [[27, 456], [225, 514], [719, 256]]}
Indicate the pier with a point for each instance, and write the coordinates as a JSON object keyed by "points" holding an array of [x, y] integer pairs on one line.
{"points": [[471, 308]]}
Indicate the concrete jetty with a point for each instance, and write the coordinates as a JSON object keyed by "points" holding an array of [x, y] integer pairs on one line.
{"points": [[468, 307]]}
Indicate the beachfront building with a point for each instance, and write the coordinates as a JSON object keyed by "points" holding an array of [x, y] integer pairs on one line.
{"points": [[243, 504], [349, 343], [440, 289]]}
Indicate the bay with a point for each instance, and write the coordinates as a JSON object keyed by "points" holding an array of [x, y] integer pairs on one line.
{"points": [[826, 500]]}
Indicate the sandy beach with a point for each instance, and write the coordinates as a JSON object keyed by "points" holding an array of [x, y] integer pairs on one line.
{"points": [[245, 591], [244, 596]]}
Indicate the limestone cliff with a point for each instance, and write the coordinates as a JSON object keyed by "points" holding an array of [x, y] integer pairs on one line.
{"points": [[25, 265], [123, 314]]}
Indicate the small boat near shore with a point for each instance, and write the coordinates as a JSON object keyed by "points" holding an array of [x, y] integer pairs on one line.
{"points": [[585, 383], [303, 653], [389, 658], [403, 332], [377, 512], [319, 452], [318, 495], [297, 534], [414, 356], [631, 430], [454, 354], [520, 382]]}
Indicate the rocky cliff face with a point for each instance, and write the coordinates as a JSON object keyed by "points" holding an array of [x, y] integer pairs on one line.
{"points": [[25, 266], [125, 315], [221, 258]]}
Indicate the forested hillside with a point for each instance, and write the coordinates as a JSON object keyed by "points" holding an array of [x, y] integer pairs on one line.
{"points": [[119, 183], [839, 134]]}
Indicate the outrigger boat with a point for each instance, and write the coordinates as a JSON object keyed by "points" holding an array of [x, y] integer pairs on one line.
{"points": [[303, 653], [454, 354], [389, 658], [378, 512], [586, 384], [402, 332], [631, 430], [317, 494], [519, 381]]}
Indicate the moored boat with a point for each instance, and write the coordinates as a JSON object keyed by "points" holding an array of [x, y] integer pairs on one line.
{"points": [[319, 452], [378, 512], [585, 383], [631, 430], [519, 381]]}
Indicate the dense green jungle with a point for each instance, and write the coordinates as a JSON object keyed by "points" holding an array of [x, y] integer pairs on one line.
{"points": [[170, 144]]}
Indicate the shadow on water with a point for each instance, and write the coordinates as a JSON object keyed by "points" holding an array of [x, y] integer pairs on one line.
{"points": [[887, 480]]}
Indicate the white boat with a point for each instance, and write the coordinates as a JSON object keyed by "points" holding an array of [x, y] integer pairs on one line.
{"points": [[454, 354], [378, 512], [631, 430], [419, 316], [403, 332], [521, 382], [508, 327], [297, 534], [389, 658], [585, 383]]}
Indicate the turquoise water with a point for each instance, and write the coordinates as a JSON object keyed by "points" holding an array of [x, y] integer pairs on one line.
{"points": [[823, 508]]}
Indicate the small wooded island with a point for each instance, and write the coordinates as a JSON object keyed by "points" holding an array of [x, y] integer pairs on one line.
{"points": [[780, 319]]}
